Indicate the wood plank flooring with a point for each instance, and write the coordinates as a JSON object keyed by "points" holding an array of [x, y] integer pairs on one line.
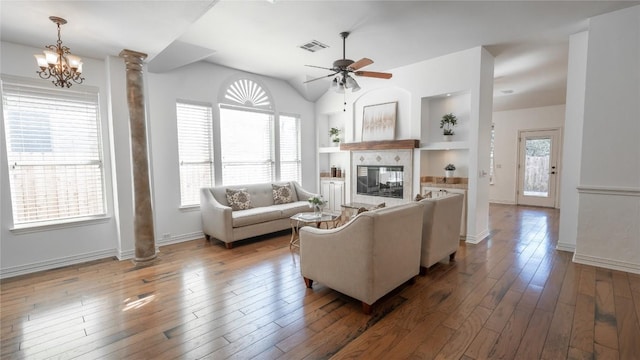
{"points": [[511, 297]]}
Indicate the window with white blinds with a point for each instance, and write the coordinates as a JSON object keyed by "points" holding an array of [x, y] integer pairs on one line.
{"points": [[195, 151], [246, 142], [290, 163], [54, 153]]}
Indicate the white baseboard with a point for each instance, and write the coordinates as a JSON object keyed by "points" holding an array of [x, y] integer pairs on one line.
{"points": [[56, 263], [180, 238], [607, 263], [96, 255], [471, 239], [126, 254], [566, 247]]}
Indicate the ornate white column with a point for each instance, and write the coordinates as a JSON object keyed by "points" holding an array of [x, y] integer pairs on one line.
{"points": [[145, 247]]}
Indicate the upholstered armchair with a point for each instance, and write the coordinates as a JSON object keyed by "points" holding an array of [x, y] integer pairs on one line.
{"points": [[368, 257], [440, 229]]}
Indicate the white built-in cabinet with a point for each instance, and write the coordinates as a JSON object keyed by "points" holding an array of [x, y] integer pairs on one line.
{"points": [[333, 192]]}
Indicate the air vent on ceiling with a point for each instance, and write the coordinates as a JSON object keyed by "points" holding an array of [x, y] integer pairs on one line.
{"points": [[313, 46]]}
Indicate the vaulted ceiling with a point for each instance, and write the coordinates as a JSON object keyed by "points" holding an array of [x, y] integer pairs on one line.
{"points": [[529, 39]]}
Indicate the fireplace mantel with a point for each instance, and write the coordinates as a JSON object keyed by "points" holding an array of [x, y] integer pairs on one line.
{"points": [[381, 145]]}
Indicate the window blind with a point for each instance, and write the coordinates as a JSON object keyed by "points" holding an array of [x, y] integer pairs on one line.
{"points": [[54, 152], [290, 163], [246, 141], [195, 151]]}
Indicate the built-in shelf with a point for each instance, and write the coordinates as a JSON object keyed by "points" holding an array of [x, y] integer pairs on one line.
{"points": [[381, 145], [445, 145], [329, 150]]}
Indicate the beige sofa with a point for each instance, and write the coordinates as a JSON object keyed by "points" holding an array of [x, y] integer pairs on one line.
{"points": [[440, 229], [220, 222], [368, 257]]}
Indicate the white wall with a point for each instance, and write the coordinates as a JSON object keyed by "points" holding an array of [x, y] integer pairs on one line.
{"points": [[507, 124], [608, 231], [39, 249], [572, 142], [43, 248]]}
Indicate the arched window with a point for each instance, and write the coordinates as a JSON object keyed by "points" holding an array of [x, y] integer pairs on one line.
{"points": [[248, 93], [254, 148]]}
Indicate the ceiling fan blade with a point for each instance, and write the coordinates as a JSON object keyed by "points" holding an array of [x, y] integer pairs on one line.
{"points": [[374, 74], [360, 63], [321, 77], [320, 67]]}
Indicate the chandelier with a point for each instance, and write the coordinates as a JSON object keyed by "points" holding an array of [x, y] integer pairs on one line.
{"points": [[58, 63]]}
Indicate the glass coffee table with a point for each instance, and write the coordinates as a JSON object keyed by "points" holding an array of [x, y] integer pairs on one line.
{"points": [[309, 219]]}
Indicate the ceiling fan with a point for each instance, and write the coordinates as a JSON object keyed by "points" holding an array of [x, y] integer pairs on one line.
{"points": [[345, 67]]}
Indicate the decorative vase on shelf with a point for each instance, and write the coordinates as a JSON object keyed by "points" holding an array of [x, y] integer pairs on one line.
{"points": [[447, 137], [449, 173]]}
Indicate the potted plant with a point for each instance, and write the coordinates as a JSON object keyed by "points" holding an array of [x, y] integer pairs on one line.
{"points": [[449, 169], [335, 136], [447, 123], [317, 202]]}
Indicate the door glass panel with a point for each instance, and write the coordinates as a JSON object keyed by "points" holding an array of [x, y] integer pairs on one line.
{"points": [[536, 171]]}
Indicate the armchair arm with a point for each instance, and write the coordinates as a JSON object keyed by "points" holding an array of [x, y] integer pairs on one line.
{"points": [[328, 255], [216, 218]]}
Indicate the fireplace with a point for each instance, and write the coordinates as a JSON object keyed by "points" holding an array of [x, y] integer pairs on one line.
{"points": [[380, 180], [381, 176]]}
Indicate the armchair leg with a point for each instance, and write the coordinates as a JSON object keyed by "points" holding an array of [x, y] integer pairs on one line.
{"points": [[366, 308], [228, 245], [423, 270], [308, 282], [207, 237], [452, 257]]}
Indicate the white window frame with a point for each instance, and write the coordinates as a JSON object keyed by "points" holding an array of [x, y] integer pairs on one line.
{"points": [[270, 161], [53, 161], [298, 160], [192, 157]]}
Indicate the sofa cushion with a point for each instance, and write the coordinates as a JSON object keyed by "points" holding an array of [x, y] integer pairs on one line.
{"points": [[238, 199], [282, 194], [255, 216], [290, 209]]}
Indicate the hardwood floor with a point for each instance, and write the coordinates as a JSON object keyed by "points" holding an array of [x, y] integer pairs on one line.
{"points": [[511, 297]]}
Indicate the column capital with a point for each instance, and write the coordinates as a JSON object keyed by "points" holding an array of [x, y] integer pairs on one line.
{"points": [[132, 57]]}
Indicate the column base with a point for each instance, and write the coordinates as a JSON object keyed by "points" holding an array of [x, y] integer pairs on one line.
{"points": [[146, 260]]}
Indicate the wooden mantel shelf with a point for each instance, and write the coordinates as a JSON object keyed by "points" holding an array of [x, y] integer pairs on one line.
{"points": [[381, 145]]}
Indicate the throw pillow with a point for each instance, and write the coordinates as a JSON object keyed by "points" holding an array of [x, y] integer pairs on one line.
{"points": [[281, 194], [238, 199]]}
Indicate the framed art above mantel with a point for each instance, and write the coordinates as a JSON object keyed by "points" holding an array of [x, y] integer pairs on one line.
{"points": [[379, 121]]}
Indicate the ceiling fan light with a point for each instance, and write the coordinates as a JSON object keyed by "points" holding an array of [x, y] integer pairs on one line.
{"points": [[351, 83], [334, 83]]}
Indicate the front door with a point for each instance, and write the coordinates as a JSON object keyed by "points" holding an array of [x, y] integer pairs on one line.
{"points": [[538, 167]]}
